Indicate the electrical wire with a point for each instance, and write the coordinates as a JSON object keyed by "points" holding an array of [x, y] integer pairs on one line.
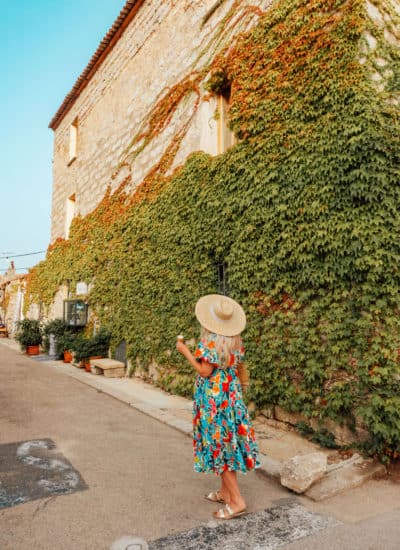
{"points": [[20, 255]]}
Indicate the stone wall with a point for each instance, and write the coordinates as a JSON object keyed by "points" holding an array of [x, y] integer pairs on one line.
{"points": [[164, 42]]}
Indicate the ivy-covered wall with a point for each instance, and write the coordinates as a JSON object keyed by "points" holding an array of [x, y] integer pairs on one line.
{"points": [[304, 211]]}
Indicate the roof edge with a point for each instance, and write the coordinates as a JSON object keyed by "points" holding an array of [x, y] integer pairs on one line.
{"points": [[126, 15]]}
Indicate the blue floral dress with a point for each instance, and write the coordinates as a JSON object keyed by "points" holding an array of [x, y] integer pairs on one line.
{"points": [[223, 437]]}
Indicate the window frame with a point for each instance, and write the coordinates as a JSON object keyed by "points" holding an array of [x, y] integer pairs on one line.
{"points": [[73, 141]]}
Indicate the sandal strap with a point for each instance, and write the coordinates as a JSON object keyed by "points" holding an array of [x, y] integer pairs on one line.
{"points": [[214, 496], [223, 513]]}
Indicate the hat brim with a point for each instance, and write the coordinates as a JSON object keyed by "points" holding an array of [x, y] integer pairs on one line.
{"points": [[204, 311]]}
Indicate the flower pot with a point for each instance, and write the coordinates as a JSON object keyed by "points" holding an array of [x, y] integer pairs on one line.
{"points": [[32, 350], [67, 356], [85, 364]]}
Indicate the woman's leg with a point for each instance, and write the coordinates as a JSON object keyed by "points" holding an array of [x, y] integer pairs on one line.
{"points": [[224, 491], [236, 501]]}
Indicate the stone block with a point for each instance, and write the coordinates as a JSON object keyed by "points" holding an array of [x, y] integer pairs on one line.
{"points": [[115, 373], [342, 479], [301, 471], [110, 367], [96, 370]]}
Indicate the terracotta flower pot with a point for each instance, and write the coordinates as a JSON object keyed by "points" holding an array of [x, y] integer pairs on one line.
{"points": [[88, 366], [84, 364], [32, 350], [67, 356]]}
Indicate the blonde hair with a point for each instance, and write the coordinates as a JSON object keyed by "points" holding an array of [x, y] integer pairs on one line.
{"points": [[224, 345]]}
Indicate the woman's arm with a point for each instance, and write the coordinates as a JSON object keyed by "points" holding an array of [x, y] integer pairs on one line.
{"points": [[203, 368]]}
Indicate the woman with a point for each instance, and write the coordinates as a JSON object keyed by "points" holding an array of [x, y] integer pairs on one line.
{"points": [[223, 438]]}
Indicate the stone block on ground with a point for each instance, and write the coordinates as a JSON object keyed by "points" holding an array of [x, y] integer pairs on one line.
{"points": [[345, 478], [115, 373], [301, 471], [109, 367]]}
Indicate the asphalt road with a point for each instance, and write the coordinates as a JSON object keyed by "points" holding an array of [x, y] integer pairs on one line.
{"points": [[80, 470], [138, 472]]}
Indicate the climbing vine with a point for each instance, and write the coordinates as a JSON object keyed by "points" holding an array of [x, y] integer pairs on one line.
{"points": [[304, 210]]}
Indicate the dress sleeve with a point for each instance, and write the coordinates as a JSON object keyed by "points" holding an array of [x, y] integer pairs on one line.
{"points": [[239, 355], [206, 353]]}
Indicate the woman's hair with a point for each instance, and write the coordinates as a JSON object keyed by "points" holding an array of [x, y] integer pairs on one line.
{"points": [[224, 345]]}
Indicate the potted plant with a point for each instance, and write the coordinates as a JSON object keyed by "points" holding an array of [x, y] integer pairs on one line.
{"points": [[100, 343], [29, 335], [65, 344], [81, 349], [91, 348], [52, 332]]}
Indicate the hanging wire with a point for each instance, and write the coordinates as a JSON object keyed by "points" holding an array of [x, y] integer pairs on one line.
{"points": [[6, 256]]}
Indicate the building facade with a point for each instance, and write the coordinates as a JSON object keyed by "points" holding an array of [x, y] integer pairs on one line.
{"points": [[148, 52], [300, 216]]}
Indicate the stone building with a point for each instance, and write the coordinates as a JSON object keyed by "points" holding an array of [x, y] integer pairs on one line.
{"points": [[297, 212], [12, 289], [150, 48]]}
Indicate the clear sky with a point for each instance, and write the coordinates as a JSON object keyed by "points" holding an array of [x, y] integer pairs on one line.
{"points": [[46, 44]]}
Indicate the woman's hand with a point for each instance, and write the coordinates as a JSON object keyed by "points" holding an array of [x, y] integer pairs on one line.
{"points": [[203, 368], [181, 347]]}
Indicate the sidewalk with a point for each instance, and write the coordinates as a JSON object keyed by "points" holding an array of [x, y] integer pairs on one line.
{"points": [[277, 442]]}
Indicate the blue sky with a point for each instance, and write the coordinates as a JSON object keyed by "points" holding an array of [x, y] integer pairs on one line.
{"points": [[45, 46]]}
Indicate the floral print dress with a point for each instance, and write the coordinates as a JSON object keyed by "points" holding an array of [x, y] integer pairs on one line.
{"points": [[223, 438]]}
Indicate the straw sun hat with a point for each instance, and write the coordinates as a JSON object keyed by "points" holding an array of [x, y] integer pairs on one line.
{"points": [[220, 314]]}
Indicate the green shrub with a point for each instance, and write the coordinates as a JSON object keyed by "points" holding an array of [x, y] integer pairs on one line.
{"points": [[29, 333], [57, 328], [66, 342], [98, 345]]}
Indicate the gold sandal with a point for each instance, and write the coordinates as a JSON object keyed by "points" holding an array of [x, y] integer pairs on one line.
{"points": [[228, 513], [215, 497]]}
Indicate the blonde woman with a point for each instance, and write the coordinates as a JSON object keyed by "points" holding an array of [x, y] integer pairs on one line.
{"points": [[223, 438]]}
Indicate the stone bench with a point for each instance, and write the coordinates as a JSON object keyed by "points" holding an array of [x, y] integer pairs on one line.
{"points": [[109, 367]]}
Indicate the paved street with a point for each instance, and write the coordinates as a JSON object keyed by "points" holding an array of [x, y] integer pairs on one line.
{"points": [[138, 472], [83, 469]]}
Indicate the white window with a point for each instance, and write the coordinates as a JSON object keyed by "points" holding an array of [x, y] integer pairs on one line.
{"points": [[226, 138], [69, 213], [73, 141]]}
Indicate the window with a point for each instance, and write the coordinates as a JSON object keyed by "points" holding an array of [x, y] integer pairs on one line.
{"points": [[226, 138], [73, 141], [69, 214], [75, 313], [221, 277]]}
